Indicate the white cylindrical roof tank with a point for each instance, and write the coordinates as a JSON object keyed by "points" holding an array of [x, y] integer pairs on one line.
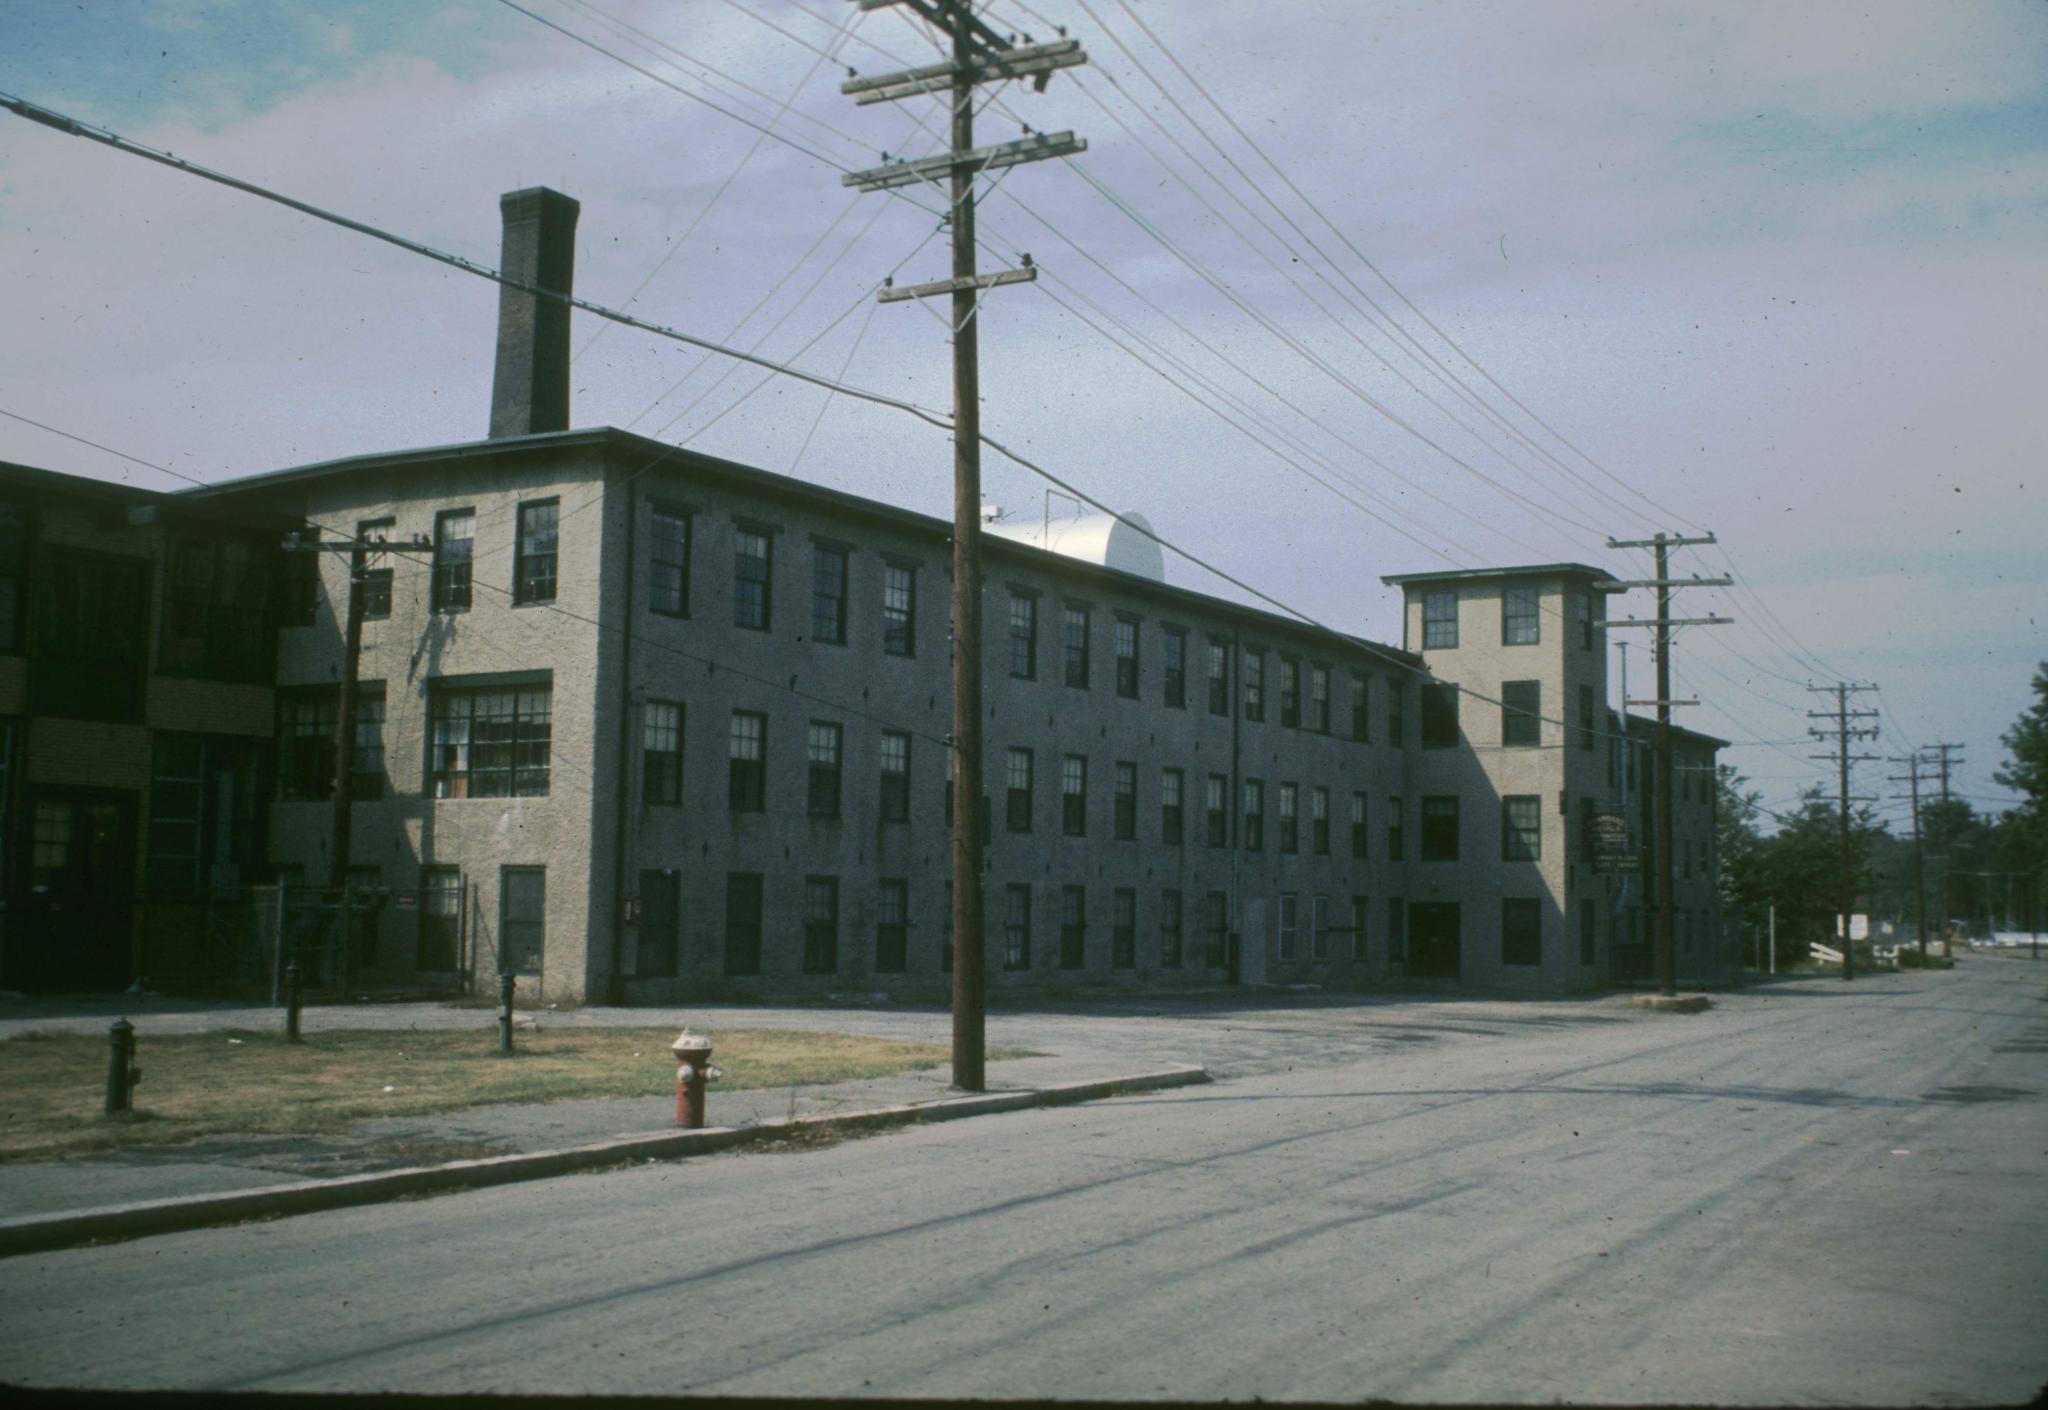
{"points": [[1096, 538]]}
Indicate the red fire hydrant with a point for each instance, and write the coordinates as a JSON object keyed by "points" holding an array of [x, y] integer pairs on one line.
{"points": [[693, 1070]]}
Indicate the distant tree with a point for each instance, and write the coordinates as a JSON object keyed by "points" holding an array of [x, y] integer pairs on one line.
{"points": [[1739, 846], [1797, 870], [2021, 843]]}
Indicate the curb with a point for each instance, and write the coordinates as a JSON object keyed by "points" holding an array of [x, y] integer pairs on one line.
{"points": [[45, 1232], [1672, 1003]]}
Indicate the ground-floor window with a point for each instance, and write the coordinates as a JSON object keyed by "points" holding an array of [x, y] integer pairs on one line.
{"points": [[660, 924], [523, 905], [1123, 941], [439, 947], [1521, 931], [821, 924], [892, 925]]}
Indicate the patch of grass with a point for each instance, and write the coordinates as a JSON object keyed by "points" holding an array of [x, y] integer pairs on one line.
{"points": [[53, 1086]]}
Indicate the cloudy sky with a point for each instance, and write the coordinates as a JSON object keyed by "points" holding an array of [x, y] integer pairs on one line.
{"points": [[1338, 289]]}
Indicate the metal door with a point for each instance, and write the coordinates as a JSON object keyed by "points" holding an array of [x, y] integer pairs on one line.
{"points": [[73, 931]]}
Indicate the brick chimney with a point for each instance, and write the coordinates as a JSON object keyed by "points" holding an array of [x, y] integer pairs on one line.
{"points": [[530, 391]]}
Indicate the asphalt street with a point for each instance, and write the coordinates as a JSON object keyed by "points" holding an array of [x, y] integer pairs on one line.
{"points": [[1814, 1193]]}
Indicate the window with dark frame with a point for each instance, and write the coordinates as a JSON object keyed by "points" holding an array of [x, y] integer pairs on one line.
{"points": [[1361, 838], [1017, 776], [1361, 708], [1219, 678], [1439, 620], [1290, 693], [892, 925], [1170, 954], [661, 924], [376, 567], [454, 557], [1174, 653], [1074, 644], [1521, 931], [1396, 816], [204, 811], [1440, 828], [522, 919], [661, 754], [1127, 657], [1319, 699], [1397, 715], [489, 741], [1290, 817], [669, 559], [1216, 810], [437, 947], [1521, 828], [1073, 927], [821, 925], [1439, 716], [1290, 925], [1171, 805], [1254, 685], [366, 778], [1519, 623], [1023, 636], [536, 562], [1254, 824], [1521, 714], [1123, 929], [299, 579], [1125, 821], [822, 754], [828, 593], [1074, 795], [306, 724], [899, 609], [742, 922], [216, 610], [1017, 926], [1319, 820], [753, 580], [746, 788], [895, 758]]}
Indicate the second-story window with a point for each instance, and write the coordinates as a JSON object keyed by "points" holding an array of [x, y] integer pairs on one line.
{"points": [[534, 569], [454, 551], [1397, 712], [1521, 710], [822, 752], [828, 594], [1255, 686], [1074, 795], [1361, 707], [1219, 677], [670, 559], [1521, 828], [1023, 637], [895, 776], [1319, 699], [1074, 640], [1519, 624], [1360, 840], [1290, 692], [747, 783], [1319, 820], [1125, 823], [661, 753], [1170, 806], [1127, 657], [1290, 817], [1176, 664], [1439, 620], [752, 580], [899, 609], [1440, 829], [1216, 810], [1439, 717], [490, 741], [1254, 827], [376, 567], [1018, 773]]}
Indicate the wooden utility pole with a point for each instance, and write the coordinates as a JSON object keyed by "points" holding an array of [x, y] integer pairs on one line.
{"points": [[1665, 584], [1913, 761], [980, 55], [1946, 855], [1843, 734]]}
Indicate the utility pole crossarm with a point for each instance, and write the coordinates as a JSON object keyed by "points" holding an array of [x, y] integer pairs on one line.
{"points": [[1663, 622], [974, 160], [1038, 61], [1676, 582], [890, 294], [1662, 541]]}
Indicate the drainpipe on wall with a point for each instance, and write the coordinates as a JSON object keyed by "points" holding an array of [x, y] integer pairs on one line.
{"points": [[616, 981], [1232, 969]]}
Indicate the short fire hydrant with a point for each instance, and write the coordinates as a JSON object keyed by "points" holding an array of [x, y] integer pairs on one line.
{"points": [[122, 1073], [693, 1070]]}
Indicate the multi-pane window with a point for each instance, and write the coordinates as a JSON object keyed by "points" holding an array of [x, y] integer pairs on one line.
{"points": [[490, 741], [828, 594], [1439, 716], [306, 728], [1254, 685], [892, 926], [522, 919], [1588, 732], [535, 564], [1361, 707], [822, 753], [1171, 805], [1319, 820], [1290, 692], [1519, 625], [376, 567], [1127, 657], [669, 559], [1254, 814], [1397, 930], [1217, 923], [1290, 817], [366, 760], [1521, 712], [1125, 825], [454, 554], [1074, 645], [753, 580], [1319, 699], [742, 922], [1396, 816], [1074, 795], [661, 753], [1219, 678], [1440, 829], [438, 945], [1521, 828], [895, 776], [661, 925], [1017, 926], [1290, 925], [1017, 773], [899, 609], [1319, 927], [301, 583], [821, 924], [216, 609], [1073, 927], [1123, 929], [1216, 810], [1397, 719], [1169, 930], [1360, 906], [203, 806], [746, 787], [1360, 843], [1521, 931], [1439, 620], [1023, 636], [1174, 650]]}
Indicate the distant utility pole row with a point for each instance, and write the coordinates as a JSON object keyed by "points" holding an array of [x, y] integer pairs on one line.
{"points": [[980, 55], [1844, 734], [1913, 762], [1665, 584]]}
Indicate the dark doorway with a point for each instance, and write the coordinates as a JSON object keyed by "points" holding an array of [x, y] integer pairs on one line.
{"points": [[1433, 939], [72, 930]]}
